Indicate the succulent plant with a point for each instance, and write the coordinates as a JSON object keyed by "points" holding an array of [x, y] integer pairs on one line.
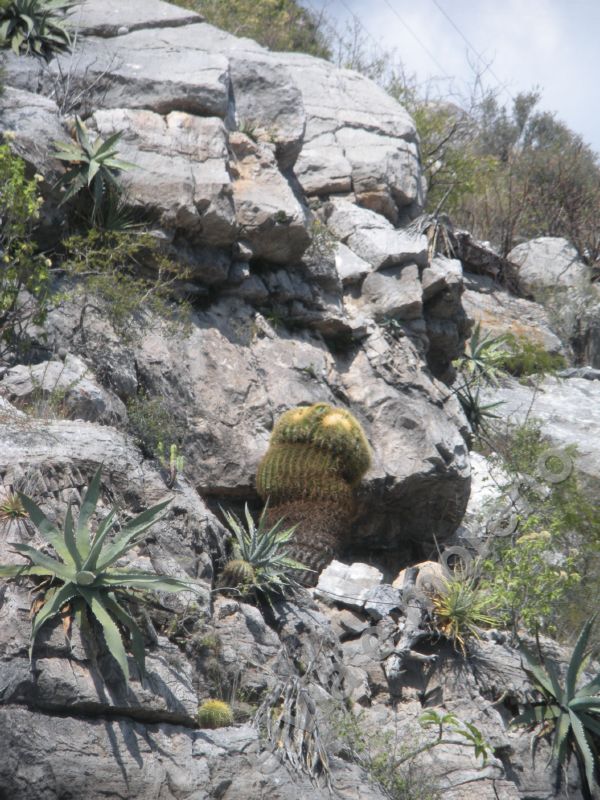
{"points": [[215, 714], [82, 575], [316, 457], [92, 164], [35, 27], [261, 562], [571, 713]]}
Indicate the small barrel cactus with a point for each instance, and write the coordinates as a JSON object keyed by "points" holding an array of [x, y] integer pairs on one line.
{"points": [[238, 572], [215, 714], [316, 457]]}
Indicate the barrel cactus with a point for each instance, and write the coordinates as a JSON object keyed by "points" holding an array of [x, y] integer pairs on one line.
{"points": [[316, 458], [215, 714]]}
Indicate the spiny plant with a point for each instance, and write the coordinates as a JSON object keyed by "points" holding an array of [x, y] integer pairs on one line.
{"points": [[215, 714], [82, 575], [572, 714], [459, 609], [11, 507], [476, 411], [485, 356], [35, 27], [260, 560], [173, 464], [316, 457], [93, 164]]}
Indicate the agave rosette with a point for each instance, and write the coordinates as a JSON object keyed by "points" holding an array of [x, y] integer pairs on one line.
{"points": [[83, 572]]}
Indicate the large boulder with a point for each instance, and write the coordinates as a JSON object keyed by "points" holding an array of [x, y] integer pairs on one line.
{"points": [[548, 264], [358, 139], [500, 312]]}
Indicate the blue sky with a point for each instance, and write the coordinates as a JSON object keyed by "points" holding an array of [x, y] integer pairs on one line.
{"points": [[552, 44]]}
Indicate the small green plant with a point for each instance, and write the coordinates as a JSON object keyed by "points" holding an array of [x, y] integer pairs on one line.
{"points": [[460, 609], [249, 129], [12, 511], [524, 357], [82, 575], [260, 563], [215, 714], [571, 714], [322, 242], [484, 358], [392, 759], [526, 583], [35, 27], [476, 410], [92, 165], [108, 269], [172, 465], [24, 273], [151, 422], [481, 364]]}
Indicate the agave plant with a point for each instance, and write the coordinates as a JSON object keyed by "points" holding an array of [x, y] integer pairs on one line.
{"points": [[476, 411], [572, 713], [82, 575], [459, 609], [92, 164], [35, 27], [260, 561], [485, 356]]}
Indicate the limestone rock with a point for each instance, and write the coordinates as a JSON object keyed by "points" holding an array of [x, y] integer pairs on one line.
{"points": [[373, 238], [357, 138], [112, 17], [350, 267], [34, 121], [569, 412], [547, 264], [181, 169], [66, 388], [393, 293], [268, 214], [498, 311], [381, 601], [348, 585]]}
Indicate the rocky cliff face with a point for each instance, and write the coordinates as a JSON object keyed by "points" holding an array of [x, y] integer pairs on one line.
{"points": [[286, 185]]}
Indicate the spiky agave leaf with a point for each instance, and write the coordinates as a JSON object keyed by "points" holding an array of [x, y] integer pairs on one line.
{"points": [[84, 566], [576, 713], [262, 548]]}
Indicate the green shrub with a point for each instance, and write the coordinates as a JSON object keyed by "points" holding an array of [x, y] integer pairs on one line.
{"points": [[277, 24], [82, 574], [525, 357], [24, 273], [126, 274], [392, 760], [35, 27], [546, 575], [151, 423], [215, 714]]}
